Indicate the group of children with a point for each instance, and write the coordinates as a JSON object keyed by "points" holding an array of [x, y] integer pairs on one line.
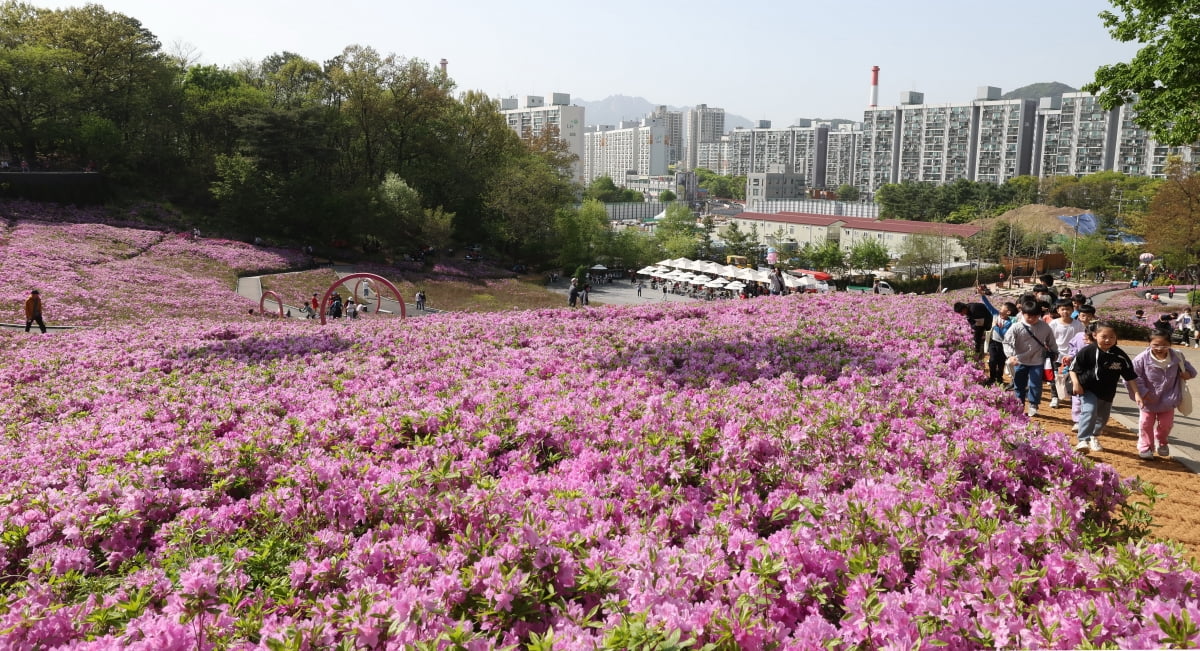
{"points": [[1064, 343]]}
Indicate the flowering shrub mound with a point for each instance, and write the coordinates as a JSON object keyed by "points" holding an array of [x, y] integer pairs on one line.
{"points": [[91, 274], [786, 472]]}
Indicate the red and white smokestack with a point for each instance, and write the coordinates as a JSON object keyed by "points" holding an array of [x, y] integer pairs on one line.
{"points": [[874, 86], [445, 63]]}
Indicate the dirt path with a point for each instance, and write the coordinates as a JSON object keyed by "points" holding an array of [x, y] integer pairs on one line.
{"points": [[1177, 514]]}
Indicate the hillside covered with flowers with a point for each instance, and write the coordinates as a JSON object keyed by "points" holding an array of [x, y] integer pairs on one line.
{"points": [[780, 473]]}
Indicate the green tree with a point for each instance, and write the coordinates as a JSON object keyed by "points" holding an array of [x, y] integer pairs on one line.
{"points": [[1090, 253], [581, 234], [603, 189], [246, 196], [399, 212], [1163, 79], [726, 187], [1172, 227], [522, 200], [847, 192], [677, 233], [830, 257], [867, 255], [922, 255], [739, 242], [666, 196]]}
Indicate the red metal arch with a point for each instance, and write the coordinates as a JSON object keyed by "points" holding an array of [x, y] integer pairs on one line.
{"points": [[378, 294], [263, 301]]}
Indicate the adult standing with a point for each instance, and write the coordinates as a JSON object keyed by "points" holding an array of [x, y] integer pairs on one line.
{"points": [[33, 311], [776, 282], [980, 319]]}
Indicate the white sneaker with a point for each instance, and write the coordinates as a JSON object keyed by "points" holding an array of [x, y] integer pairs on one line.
{"points": [[1146, 454], [1074, 427], [1054, 403], [1032, 411], [1163, 451], [1094, 443], [1082, 445]]}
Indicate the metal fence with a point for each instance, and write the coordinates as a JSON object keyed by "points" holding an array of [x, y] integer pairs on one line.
{"points": [[816, 207]]}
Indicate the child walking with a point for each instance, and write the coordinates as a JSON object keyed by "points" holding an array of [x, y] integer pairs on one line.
{"points": [[1028, 344], [1162, 372], [1094, 374]]}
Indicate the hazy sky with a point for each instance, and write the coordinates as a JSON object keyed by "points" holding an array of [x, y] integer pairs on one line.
{"points": [[762, 60]]}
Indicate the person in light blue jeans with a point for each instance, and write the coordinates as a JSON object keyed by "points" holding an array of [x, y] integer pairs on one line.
{"points": [[1027, 344], [1094, 375]]}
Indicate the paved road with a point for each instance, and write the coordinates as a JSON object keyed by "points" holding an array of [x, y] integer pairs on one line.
{"points": [[620, 292], [251, 288], [1185, 435]]}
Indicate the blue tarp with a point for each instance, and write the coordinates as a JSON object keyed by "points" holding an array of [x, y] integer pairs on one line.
{"points": [[1087, 223]]}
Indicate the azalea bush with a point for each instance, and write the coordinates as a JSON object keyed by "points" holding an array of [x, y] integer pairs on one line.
{"points": [[91, 274], [780, 473]]}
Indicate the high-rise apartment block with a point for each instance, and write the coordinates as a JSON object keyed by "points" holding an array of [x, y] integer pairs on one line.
{"points": [[704, 125], [673, 121], [635, 148], [841, 155], [802, 149], [532, 118]]}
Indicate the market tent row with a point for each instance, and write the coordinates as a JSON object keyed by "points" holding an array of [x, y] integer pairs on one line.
{"points": [[694, 271]]}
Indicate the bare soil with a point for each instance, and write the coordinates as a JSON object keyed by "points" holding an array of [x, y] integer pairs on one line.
{"points": [[1177, 514], [1038, 218]]}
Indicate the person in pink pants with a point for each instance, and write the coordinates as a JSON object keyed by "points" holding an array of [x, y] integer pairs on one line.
{"points": [[1161, 374]]}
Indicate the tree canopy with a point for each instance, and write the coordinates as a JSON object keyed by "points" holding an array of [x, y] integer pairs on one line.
{"points": [[958, 201], [1164, 76], [366, 145]]}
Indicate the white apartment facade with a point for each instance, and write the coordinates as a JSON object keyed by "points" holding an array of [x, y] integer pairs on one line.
{"points": [[704, 125], [635, 148], [535, 115]]}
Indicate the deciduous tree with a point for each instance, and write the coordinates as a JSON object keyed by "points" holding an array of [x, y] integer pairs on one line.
{"points": [[1173, 222], [1164, 76]]}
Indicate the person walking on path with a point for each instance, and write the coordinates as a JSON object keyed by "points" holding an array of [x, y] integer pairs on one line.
{"points": [[1094, 375], [1161, 373], [33, 311], [420, 300], [1171, 291], [1002, 319], [1028, 344]]}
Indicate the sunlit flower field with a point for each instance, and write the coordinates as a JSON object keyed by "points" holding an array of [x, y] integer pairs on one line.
{"points": [[778, 473]]}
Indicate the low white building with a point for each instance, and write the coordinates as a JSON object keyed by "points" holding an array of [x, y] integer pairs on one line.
{"points": [[798, 229]]}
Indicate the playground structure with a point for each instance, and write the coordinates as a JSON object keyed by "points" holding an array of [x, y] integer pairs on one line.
{"points": [[362, 278], [263, 301]]}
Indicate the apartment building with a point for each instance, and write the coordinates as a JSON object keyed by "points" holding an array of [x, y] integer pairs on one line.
{"points": [[841, 155], [879, 154], [704, 125], [715, 156], [1139, 154], [756, 151], [780, 181], [535, 115], [1077, 136], [634, 148], [1004, 144], [673, 120]]}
